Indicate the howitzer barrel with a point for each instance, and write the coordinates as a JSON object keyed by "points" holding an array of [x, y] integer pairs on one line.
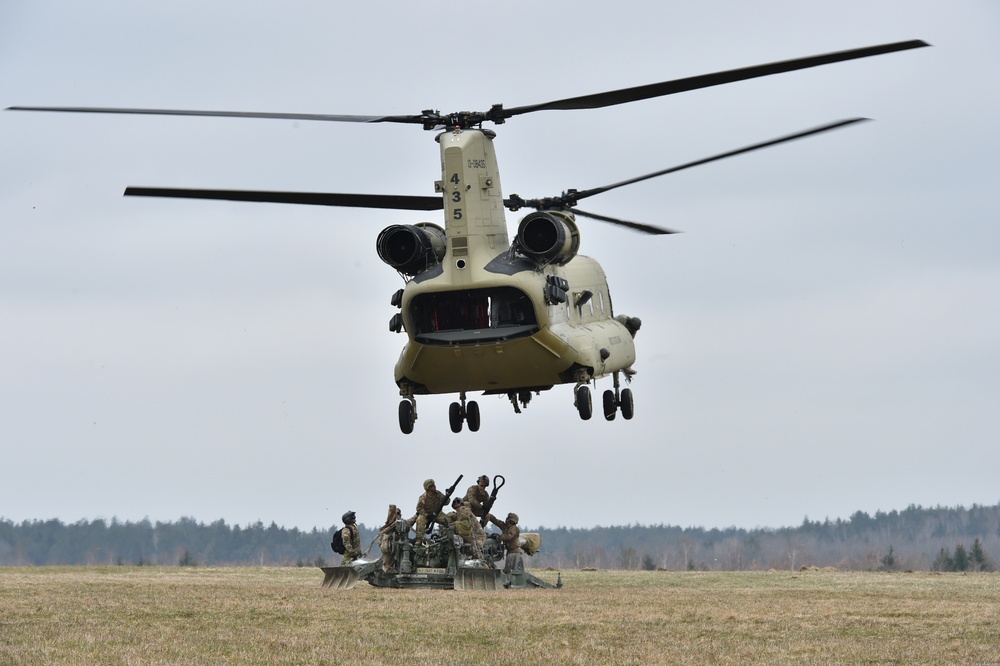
{"points": [[451, 490]]}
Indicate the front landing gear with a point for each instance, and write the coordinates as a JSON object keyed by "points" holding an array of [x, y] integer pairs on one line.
{"points": [[407, 409], [460, 412], [584, 403], [407, 415], [618, 399]]}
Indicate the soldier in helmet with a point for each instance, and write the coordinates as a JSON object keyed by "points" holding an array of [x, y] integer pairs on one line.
{"points": [[456, 504], [351, 537], [385, 539], [510, 536], [429, 509], [477, 494], [467, 526]]}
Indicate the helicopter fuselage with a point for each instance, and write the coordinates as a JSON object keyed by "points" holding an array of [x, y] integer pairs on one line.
{"points": [[503, 334], [488, 315]]}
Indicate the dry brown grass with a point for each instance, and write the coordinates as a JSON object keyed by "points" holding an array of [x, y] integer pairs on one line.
{"points": [[174, 615]]}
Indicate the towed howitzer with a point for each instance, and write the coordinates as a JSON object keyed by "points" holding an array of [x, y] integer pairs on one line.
{"points": [[488, 504], [442, 562]]}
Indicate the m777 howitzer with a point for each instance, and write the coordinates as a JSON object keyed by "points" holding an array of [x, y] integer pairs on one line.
{"points": [[442, 562]]}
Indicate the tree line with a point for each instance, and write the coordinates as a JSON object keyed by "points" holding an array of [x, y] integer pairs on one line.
{"points": [[186, 542], [917, 538]]}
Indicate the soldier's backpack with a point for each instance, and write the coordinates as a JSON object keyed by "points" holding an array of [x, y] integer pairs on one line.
{"points": [[337, 543]]}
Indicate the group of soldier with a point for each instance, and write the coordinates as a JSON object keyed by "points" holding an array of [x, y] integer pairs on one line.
{"points": [[465, 518]]}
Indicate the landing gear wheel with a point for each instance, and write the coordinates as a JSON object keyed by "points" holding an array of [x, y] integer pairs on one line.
{"points": [[455, 417], [584, 404], [610, 405], [472, 415], [406, 417], [628, 407]]}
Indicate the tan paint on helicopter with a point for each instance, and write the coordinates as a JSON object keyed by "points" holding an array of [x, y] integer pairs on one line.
{"points": [[568, 336], [474, 214]]}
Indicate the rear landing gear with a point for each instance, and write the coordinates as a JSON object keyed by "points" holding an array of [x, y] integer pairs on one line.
{"points": [[460, 412]]}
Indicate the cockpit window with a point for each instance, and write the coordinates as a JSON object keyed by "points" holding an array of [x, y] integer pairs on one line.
{"points": [[472, 315]]}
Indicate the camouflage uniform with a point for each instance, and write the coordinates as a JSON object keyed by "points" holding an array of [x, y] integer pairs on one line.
{"points": [[510, 536], [429, 509], [352, 544], [467, 527], [386, 536], [475, 496]]}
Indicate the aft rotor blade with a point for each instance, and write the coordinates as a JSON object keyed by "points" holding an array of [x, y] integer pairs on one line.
{"points": [[721, 156], [635, 226], [385, 201], [648, 91], [226, 114]]}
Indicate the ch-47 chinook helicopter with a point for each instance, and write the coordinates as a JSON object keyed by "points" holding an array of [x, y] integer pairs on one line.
{"points": [[482, 312]]}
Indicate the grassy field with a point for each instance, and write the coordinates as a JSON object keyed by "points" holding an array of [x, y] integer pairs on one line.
{"points": [[183, 615]]}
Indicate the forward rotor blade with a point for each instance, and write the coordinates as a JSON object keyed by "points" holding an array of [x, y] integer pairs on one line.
{"points": [[385, 201], [433, 120], [648, 91], [635, 226], [721, 156], [226, 114]]}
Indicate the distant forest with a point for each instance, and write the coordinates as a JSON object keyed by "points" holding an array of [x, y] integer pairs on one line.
{"points": [[917, 538]]}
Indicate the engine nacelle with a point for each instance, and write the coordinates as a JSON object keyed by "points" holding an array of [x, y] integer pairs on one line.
{"points": [[411, 248], [548, 237]]}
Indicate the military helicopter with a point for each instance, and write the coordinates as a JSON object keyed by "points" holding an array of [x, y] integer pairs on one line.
{"points": [[482, 312]]}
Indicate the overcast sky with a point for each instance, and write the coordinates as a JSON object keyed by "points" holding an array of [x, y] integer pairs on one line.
{"points": [[822, 339]]}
